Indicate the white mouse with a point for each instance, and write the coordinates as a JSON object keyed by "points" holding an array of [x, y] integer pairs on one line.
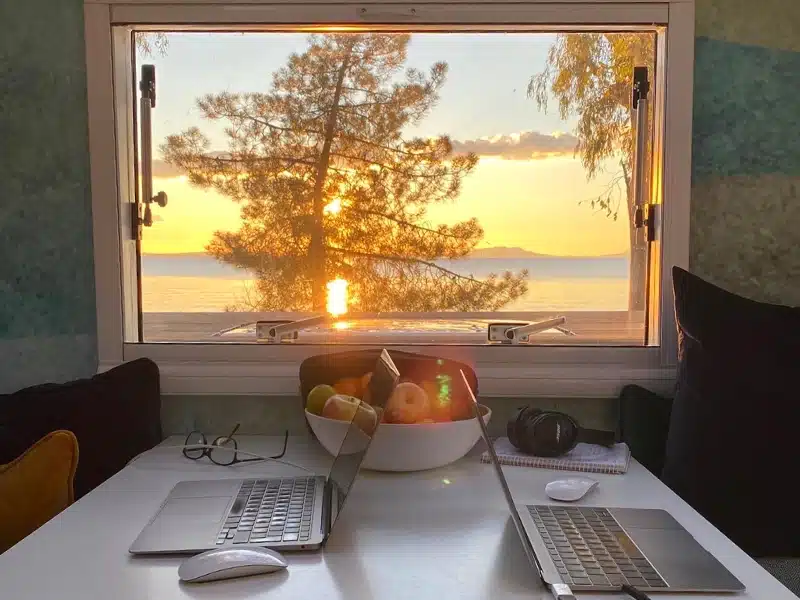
{"points": [[569, 489], [229, 562]]}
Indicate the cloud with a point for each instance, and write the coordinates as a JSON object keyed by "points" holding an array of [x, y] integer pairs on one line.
{"points": [[520, 146], [525, 145]]}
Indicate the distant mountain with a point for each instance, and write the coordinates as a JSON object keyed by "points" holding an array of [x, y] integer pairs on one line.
{"points": [[515, 252], [504, 252], [493, 252]]}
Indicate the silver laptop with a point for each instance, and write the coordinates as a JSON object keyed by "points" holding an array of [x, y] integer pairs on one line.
{"points": [[590, 548], [287, 513]]}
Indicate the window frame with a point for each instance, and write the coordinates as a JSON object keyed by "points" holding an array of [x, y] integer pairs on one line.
{"points": [[504, 371]]}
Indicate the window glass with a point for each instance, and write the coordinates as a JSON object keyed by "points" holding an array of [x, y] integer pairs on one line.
{"points": [[449, 179]]}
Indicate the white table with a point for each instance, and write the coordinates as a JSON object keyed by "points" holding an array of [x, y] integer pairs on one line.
{"points": [[432, 535]]}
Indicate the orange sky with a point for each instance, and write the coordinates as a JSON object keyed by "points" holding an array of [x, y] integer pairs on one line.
{"points": [[532, 204]]}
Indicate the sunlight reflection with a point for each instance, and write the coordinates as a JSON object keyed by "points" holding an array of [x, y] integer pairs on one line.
{"points": [[337, 297]]}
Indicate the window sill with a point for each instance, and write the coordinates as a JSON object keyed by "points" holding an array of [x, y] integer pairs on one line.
{"points": [[281, 379]]}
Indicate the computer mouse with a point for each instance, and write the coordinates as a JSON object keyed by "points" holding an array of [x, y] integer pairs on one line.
{"points": [[230, 562], [569, 489]]}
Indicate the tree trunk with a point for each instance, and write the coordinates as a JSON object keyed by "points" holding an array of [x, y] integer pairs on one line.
{"points": [[317, 246]]}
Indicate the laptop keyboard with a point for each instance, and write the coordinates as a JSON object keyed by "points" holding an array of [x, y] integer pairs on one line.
{"points": [[270, 510], [589, 547]]}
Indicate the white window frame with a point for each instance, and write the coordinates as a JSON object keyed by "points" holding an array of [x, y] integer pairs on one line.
{"points": [[516, 371]]}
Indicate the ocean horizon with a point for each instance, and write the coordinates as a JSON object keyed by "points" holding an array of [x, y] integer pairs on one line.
{"points": [[200, 283]]}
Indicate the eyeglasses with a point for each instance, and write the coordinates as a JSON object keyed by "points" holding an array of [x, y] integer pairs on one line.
{"points": [[223, 450]]}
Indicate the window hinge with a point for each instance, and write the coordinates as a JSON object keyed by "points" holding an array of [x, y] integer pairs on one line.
{"points": [[644, 217]]}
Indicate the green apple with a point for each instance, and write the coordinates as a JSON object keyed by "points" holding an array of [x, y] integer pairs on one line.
{"points": [[317, 398]]}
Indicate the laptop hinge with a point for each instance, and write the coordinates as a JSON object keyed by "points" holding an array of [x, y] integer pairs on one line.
{"points": [[327, 502]]}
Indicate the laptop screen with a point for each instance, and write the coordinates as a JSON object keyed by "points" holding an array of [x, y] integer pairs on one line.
{"points": [[526, 544], [359, 435]]}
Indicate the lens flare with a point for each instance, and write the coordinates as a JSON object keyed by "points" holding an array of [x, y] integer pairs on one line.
{"points": [[337, 297]]}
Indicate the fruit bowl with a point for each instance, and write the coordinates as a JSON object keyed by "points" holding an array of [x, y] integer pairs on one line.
{"points": [[402, 447]]}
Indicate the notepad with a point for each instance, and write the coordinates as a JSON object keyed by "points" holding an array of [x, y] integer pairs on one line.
{"points": [[587, 458]]}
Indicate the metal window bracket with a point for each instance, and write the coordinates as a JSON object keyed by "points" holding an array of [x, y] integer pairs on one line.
{"points": [[276, 332], [147, 87], [644, 212], [520, 333]]}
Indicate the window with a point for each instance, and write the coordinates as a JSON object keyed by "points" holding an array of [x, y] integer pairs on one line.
{"points": [[483, 181]]}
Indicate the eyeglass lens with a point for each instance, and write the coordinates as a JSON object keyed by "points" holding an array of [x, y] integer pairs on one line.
{"points": [[194, 439], [224, 451]]}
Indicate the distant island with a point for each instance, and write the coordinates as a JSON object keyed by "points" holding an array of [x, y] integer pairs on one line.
{"points": [[516, 252]]}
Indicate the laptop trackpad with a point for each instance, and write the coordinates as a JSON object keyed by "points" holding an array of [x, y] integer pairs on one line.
{"points": [[682, 561], [207, 509]]}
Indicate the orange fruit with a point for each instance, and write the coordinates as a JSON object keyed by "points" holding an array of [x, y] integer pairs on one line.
{"points": [[365, 378], [349, 386]]}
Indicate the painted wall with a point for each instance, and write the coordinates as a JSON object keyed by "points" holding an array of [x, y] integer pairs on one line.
{"points": [[47, 300], [746, 155], [745, 209]]}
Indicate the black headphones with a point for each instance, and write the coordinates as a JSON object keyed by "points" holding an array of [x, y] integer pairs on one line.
{"points": [[551, 433]]}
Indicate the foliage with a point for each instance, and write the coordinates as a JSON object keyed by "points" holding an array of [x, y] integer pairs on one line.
{"points": [[150, 44], [330, 187], [591, 77]]}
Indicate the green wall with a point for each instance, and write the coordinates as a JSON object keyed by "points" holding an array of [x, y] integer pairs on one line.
{"points": [[47, 299], [746, 162], [745, 216]]}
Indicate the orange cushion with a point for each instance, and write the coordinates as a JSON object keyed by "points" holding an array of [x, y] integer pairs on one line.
{"points": [[36, 486]]}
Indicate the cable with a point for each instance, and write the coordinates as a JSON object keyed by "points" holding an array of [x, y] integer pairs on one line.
{"points": [[212, 447], [634, 593]]}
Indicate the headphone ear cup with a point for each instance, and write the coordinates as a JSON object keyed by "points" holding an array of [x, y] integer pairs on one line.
{"points": [[553, 433], [511, 427], [520, 429]]}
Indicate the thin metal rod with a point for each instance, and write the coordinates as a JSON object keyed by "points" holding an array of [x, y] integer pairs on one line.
{"points": [[640, 162], [147, 150], [517, 333], [275, 333]]}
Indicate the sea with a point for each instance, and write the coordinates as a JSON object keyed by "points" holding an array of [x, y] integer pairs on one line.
{"points": [[199, 283]]}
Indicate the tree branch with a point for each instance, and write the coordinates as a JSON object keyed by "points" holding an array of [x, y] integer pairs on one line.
{"points": [[406, 172], [406, 259], [400, 222]]}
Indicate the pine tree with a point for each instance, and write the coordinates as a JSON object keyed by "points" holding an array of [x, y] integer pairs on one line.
{"points": [[330, 188]]}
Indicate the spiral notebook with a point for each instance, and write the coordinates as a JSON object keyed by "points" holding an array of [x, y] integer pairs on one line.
{"points": [[587, 458]]}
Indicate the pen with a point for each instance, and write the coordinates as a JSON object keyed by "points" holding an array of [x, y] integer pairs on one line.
{"points": [[634, 593]]}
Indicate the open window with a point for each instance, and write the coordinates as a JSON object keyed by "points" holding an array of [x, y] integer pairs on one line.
{"points": [[468, 177]]}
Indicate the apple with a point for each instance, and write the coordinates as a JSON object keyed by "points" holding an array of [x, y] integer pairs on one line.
{"points": [[350, 408], [408, 404], [317, 398], [440, 404]]}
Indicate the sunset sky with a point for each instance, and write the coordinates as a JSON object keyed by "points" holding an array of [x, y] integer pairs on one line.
{"points": [[525, 191]]}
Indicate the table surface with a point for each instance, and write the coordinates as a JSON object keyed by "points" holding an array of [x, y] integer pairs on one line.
{"points": [[438, 534]]}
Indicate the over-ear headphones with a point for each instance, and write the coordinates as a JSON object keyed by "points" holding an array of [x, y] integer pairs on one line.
{"points": [[551, 433]]}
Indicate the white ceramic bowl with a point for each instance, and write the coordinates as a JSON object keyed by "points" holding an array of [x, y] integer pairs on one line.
{"points": [[397, 447]]}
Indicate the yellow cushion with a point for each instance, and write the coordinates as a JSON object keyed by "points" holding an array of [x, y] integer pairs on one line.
{"points": [[36, 486]]}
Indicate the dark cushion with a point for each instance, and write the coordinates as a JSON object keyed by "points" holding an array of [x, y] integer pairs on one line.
{"points": [[115, 415], [732, 443], [643, 425]]}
